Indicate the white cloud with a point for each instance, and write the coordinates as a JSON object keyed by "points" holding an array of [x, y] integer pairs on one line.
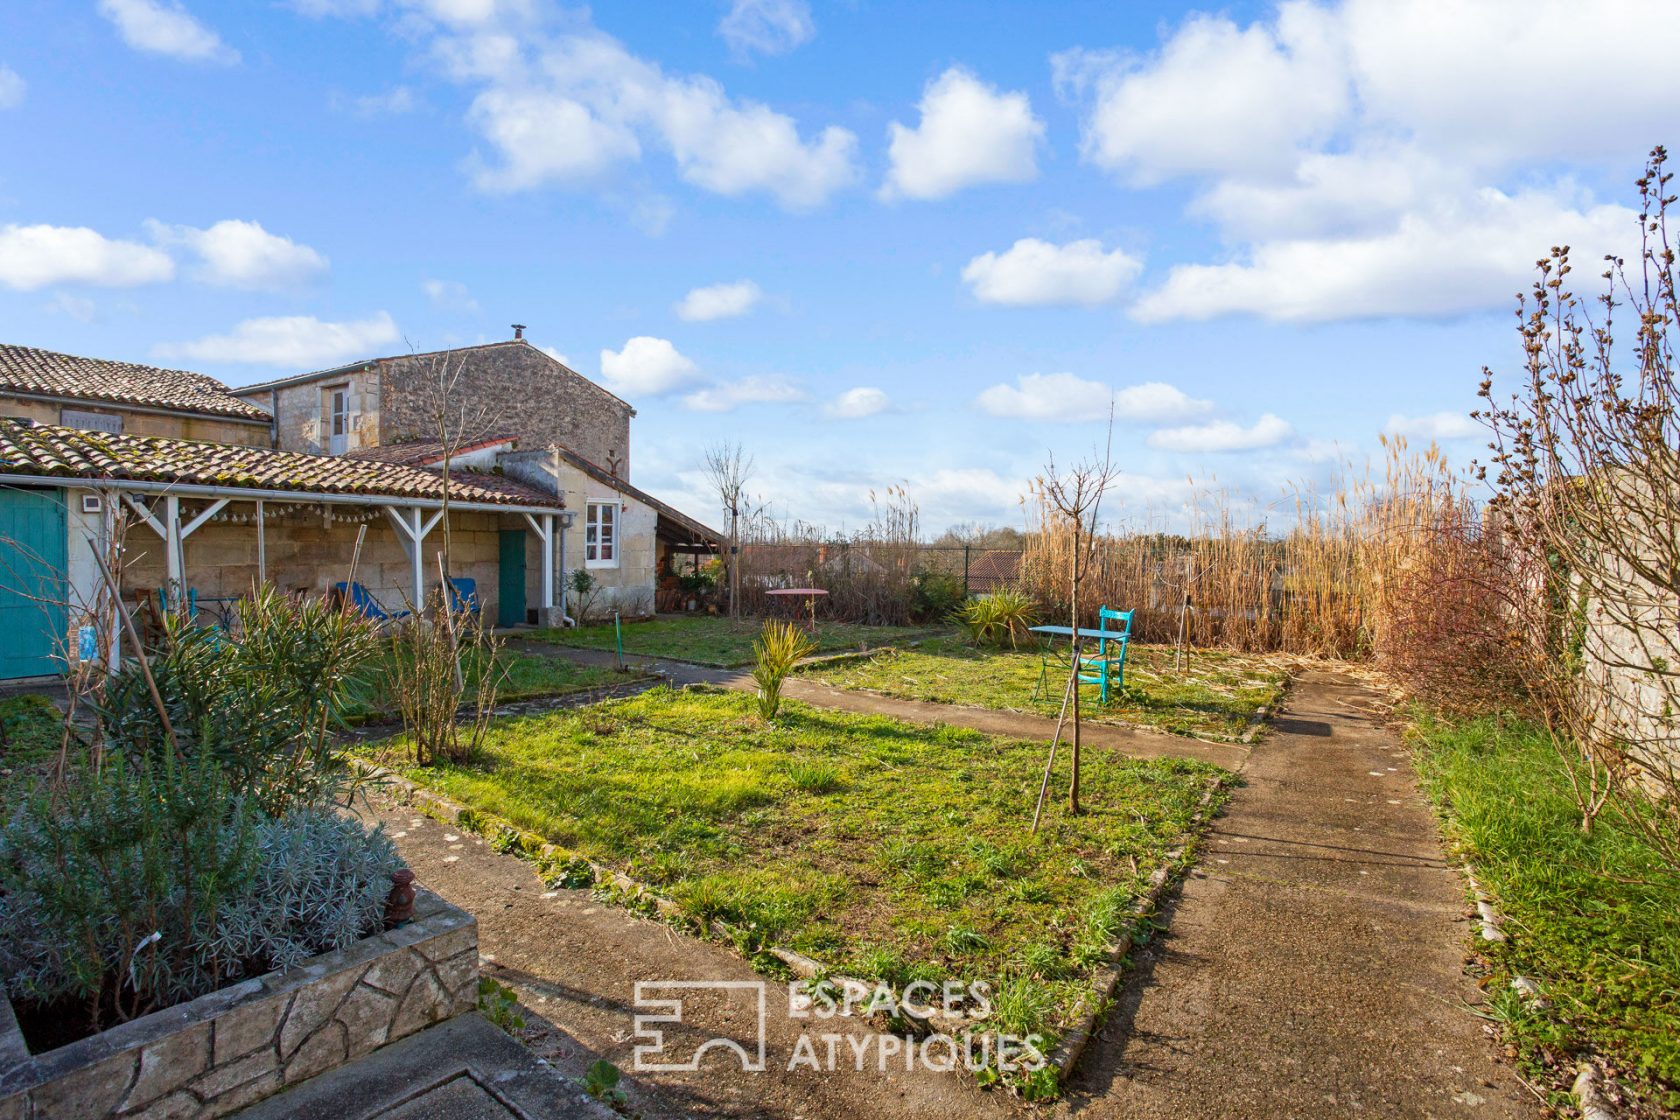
{"points": [[1436, 425], [1222, 435], [969, 134], [165, 27], [857, 404], [35, 256], [647, 366], [1216, 98], [239, 254], [1062, 396], [1453, 258], [77, 307], [1382, 157], [1034, 272], [449, 295], [289, 341], [544, 138], [584, 104], [767, 26], [392, 103], [12, 87], [730, 395], [719, 301]]}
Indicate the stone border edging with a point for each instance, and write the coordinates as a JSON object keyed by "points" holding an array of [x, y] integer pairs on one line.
{"points": [[226, 1049], [1489, 920], [532, 847]]}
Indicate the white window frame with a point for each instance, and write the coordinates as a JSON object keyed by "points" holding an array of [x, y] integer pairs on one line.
{"points": [[593, 522], [338, 420]]}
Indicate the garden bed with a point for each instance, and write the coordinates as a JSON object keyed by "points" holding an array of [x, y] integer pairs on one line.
{"points": [[1588, 917], [1217, 696], [885, 850], [225, 1050], [722, 642]]}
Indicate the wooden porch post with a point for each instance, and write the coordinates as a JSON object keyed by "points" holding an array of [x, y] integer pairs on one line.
{"points": [[262, 547]]}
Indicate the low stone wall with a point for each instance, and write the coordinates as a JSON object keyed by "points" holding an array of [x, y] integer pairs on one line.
{"points": [[226, 1050]]}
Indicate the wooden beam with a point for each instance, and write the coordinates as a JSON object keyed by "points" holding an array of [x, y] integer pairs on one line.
{"points": [[210, 511]]}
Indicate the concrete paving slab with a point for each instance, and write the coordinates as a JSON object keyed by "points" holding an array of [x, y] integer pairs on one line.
{"points": [[463, 1069]]}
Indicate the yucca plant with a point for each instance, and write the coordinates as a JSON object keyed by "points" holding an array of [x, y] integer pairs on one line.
{"points": [[1003, 616], [780, 646]]}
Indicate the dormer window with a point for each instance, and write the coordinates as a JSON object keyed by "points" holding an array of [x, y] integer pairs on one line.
{"points": [[335, 402]]}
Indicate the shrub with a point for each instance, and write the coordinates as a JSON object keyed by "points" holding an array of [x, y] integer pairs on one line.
{"points": [[264, 702], [430, 683], [935, 595], [780, 647], [139, 884], [1003, 616]]}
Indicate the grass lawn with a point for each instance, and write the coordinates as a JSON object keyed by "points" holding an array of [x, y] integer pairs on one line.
{"points": [[720, 641], [526, 676], [1214, 699], [1593, 919], [888, 850], [31, 730]]}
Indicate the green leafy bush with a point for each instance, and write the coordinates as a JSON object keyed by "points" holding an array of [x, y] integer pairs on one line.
{"points": [[264, 701], [780, 647], [135, 885], [1001, 617], [935, 596]]}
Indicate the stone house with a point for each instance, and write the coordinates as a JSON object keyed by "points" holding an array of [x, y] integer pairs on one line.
{"points": [[172, 483], [512, 408]]}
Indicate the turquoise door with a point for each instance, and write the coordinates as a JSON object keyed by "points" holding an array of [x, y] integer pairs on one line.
{"points": [[32, 583], [510, 584]]}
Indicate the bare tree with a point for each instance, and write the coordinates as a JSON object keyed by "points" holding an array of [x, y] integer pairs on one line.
{"points": [[1074, 497], [729, 468]]}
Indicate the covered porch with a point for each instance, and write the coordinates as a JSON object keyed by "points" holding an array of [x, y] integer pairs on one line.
{"points": [[194, 526]]}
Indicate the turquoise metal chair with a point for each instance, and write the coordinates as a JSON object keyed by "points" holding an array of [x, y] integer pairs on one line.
{"points": [[1107, 670]]}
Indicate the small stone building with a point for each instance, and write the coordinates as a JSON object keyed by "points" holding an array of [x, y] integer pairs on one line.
{"points": [[508, 407]]}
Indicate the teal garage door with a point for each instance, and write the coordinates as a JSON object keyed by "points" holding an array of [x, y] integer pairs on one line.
{"points": [[32, 582]]}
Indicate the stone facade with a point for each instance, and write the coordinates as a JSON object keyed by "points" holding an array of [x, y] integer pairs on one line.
{"points": [[231, 1048], [503, 387], [302, 412], [141, 422], [513, 388], [308, 554]]}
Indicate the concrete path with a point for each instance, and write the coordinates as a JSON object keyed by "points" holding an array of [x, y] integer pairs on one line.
{"points": [[1313, 964]]}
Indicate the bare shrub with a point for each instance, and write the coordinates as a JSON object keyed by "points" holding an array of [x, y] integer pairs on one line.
{"points": [[1586, 463]]}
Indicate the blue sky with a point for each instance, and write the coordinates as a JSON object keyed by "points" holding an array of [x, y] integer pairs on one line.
{"points": [[877, 244]]}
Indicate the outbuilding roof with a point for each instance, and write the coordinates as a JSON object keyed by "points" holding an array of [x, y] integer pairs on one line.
{"points": [[47, 373], [73, 454]]}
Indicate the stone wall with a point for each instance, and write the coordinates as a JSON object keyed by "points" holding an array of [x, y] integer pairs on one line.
{"points": [[231, 1048], [629, 585], [306, 553], [136, 423], [301, 412], [510, 388]]}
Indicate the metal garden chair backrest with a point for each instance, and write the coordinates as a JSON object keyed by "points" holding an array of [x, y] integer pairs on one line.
{"points": [[463, 595], [1110, 667]]}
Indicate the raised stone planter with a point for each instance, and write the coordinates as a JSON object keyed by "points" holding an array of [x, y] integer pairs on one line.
{"points": [[225, 1050]]}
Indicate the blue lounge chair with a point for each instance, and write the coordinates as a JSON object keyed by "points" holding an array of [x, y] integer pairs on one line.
{"points": [[463, 595], [362, 599]]}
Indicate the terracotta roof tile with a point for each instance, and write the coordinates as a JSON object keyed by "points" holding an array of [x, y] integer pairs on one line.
{"points": [[24, 369], [422, 452], [71, 453]]}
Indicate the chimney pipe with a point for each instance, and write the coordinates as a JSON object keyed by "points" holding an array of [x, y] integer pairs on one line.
{"points": [[518, 331]]}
